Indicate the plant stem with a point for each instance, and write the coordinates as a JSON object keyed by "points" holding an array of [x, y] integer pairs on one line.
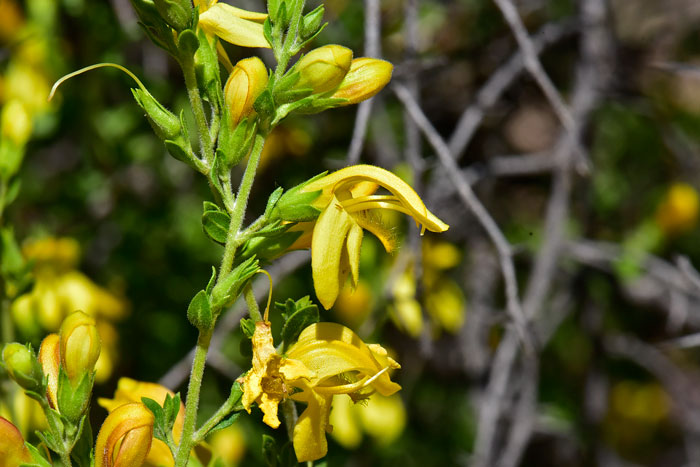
{"points": [[187, 64], [290, 42], [219, 415], [252, 303], [240, 205], [187, 441]]}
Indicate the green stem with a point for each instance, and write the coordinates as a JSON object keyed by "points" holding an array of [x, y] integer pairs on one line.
{"points": [[219, 415], [187, 441], [290, 42], [240, 205], [252, 303], [200, 119], [7, 325], [55, 427]]}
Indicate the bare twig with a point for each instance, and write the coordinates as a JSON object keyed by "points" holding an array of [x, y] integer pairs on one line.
{"points": [[364, 110], [536, 70], [472, 202], [499, 81]]}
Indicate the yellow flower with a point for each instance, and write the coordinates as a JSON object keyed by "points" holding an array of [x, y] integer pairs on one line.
{"points": [[245, 83], [678, 212], [129, 391], [125, 437], [13, 452], [328, 359], [365, 78], [234, 25], [267, 382], [346, 199]]}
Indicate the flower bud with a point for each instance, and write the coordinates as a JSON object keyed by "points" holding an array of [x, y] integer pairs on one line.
{"points": [[50, 361], [125, 437], [80, 345], [245, 83], [177, 13], [13, 452], [324, 68], [23, 367], [367, 76]]}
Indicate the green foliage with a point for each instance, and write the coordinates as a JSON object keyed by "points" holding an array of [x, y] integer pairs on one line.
{"points": [[297, 315]]}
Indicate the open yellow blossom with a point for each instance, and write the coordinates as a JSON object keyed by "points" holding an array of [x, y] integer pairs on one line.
{"points": [[234, 25], [131, 391], [343, 364], [346, 201], [328, 359]]}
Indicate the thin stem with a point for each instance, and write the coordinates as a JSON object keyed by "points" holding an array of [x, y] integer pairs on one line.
{"points": [[187, 441], [290, 42], [187, 65], [252, 303], [240, 205], [55, 429], [219, 415]]}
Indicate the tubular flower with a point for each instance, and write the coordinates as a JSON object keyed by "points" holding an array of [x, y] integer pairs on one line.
{"points": [[130, 391], [13, 452], [328, 359], [345, 201], [125, 437], [343, 364], [239, 27]]}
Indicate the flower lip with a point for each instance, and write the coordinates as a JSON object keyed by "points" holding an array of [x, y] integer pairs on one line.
{"points": [[404, 198]]}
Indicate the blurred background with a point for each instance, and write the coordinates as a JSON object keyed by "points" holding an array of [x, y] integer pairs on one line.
{"points": [[554, 327]]}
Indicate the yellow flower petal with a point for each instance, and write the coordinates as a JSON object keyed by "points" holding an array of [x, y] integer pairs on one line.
{"points": [[327, 245], [352, 175], [309, 436], [234, 25], [330, 350], [354, 243]]}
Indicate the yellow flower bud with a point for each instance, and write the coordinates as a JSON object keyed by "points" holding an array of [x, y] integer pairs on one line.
{"points": [[50, 361], [129, 391], [15, 123], [367, 76], [324, 68], [13, 452], [22, 365], [678, 212], [125, 437], [245, 83], [80, 345]]}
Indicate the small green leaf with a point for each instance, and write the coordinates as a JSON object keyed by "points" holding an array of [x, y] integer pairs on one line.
{"points": [[226, 422], [311, 22], [267, 30], [82, 451], [187, 42], [265, 104], [212, 279], [12, 191], [171, 406], [215, 224], [272, 200], [229, 288], [199, 312], [300, 315], [248, 327], [37, 456]]}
